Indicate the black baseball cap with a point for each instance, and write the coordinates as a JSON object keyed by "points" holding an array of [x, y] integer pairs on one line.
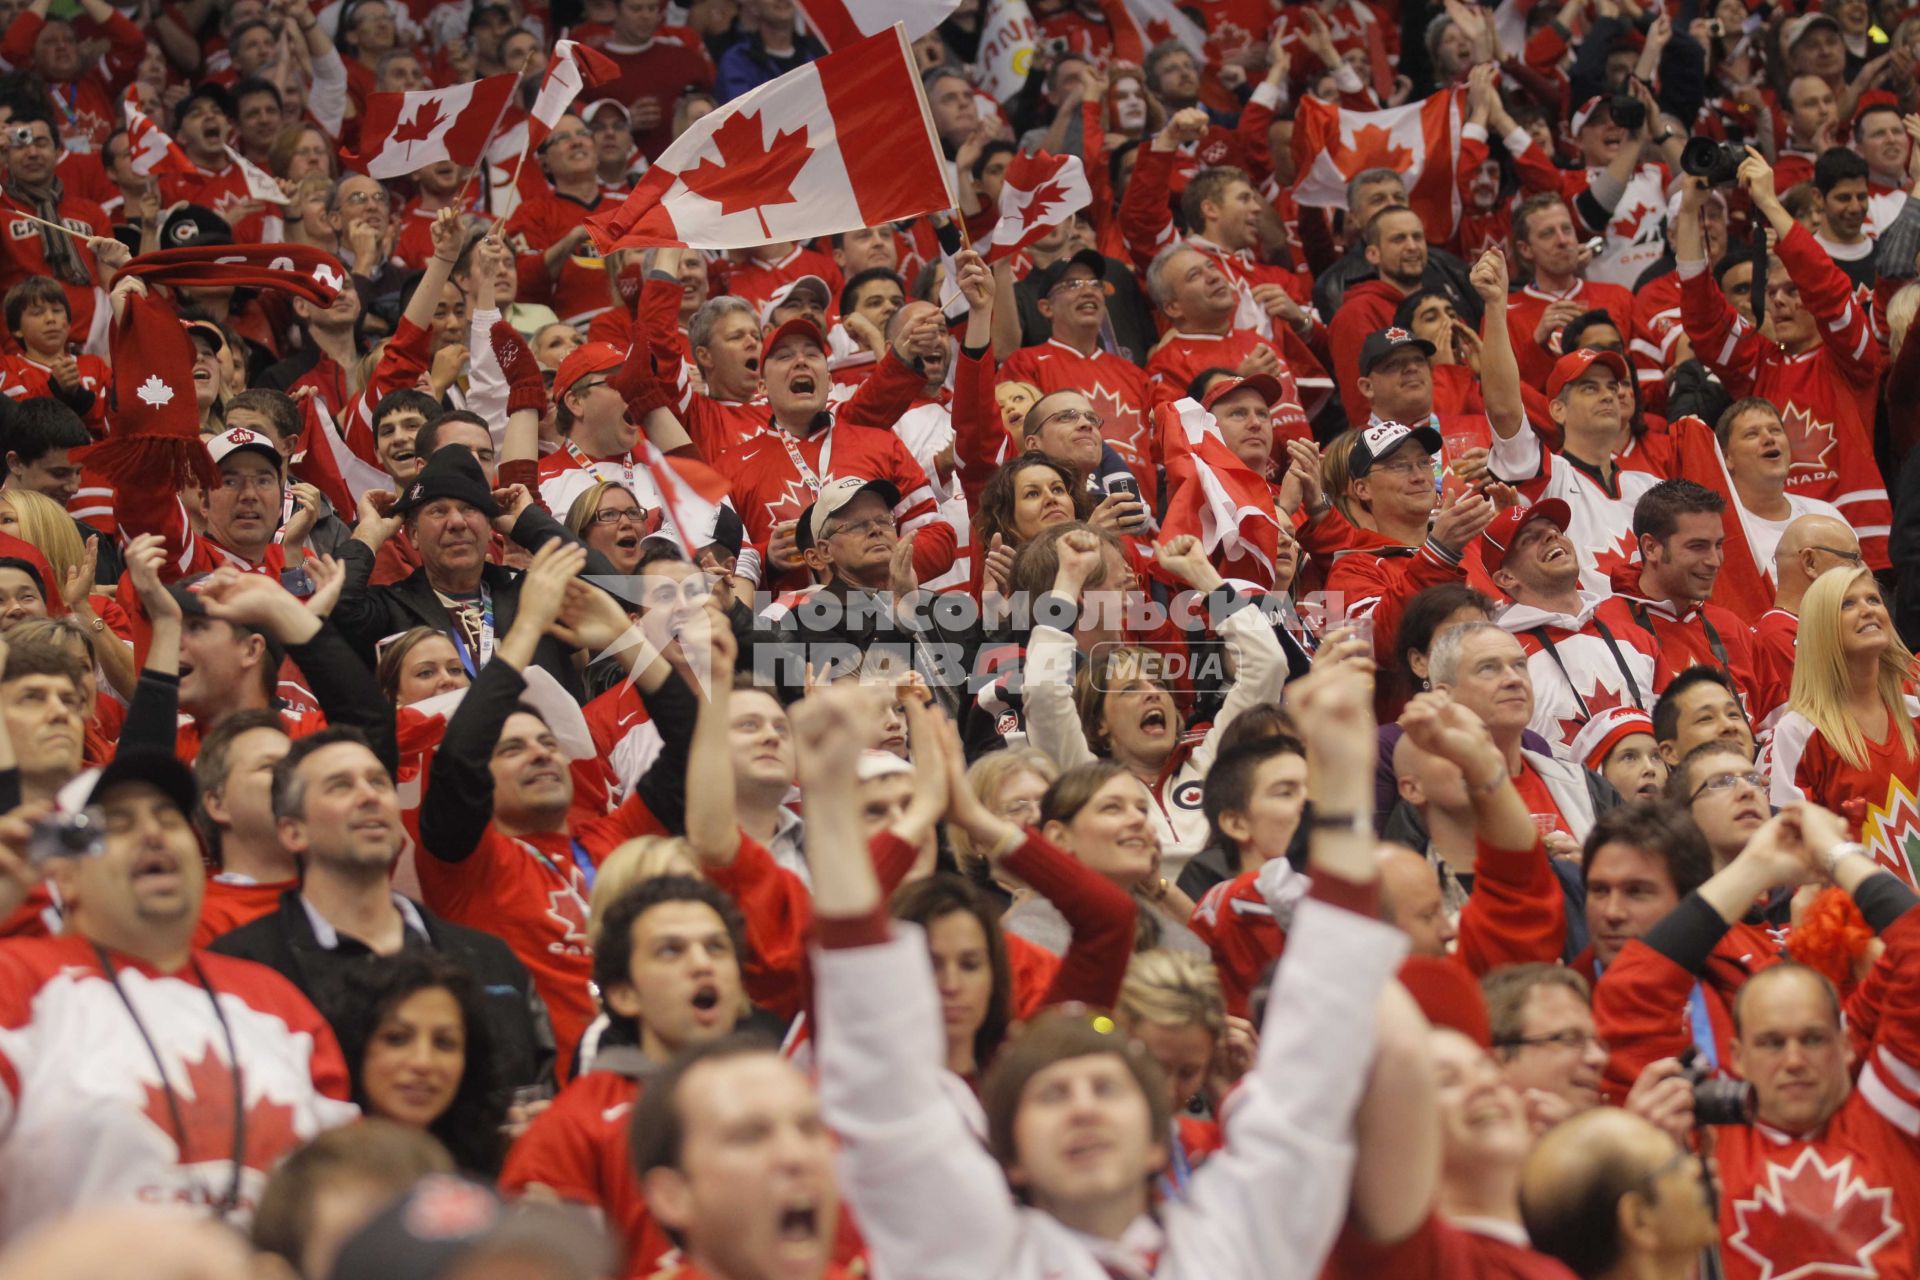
{"points": [[1382, 343], [1049, 276]]}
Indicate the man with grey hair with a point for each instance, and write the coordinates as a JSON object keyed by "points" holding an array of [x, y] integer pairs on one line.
{"points": [[1485, 670], [338, 814], [1200, 302], [722, 405]]}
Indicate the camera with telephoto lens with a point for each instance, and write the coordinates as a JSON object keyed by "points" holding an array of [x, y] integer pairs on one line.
{"points": [[1716, 1099], [67, 835], [1626, 111], [1717, 162]]}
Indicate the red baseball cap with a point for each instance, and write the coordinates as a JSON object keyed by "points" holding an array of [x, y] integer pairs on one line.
{"points": [[1600, 735], [796, 327], [1499, 535], [1575, 363], [1265, 383], [590, 358]]}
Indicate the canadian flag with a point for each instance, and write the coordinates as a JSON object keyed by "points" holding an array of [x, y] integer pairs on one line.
{"points": [[1215, 496], [821, 150], [405, 132], [1009, 42], [692, 493], [1039, 193], [840, 23], [150, 149], [260, 183], [1138, 25], [1420, 141], [572, 68]]}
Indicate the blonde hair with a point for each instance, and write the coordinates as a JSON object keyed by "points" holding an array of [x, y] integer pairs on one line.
{"points": [[46, 524], [1900, 311], [587, 505], [1823, 687], [1172, 989], [987, 775], [632, 862], [1336, 471]]}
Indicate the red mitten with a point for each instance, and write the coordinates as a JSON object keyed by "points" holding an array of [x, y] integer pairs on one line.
{"points": [[637, 384], [526, 389]]}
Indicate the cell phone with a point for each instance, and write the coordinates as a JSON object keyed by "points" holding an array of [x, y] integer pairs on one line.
{"points": [[1128, 486]]}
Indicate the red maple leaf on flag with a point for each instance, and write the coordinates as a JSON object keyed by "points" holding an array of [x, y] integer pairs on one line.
{"points": [[1811, 441], [1813, 1218], [1046, 195], [752, 174], [1601, 699], [206, 1110], [426, 118], [1373, 148]]}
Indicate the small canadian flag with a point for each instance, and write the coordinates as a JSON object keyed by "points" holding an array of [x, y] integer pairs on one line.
{"points": [[1039, 193], [150, 149], [403, 133]]}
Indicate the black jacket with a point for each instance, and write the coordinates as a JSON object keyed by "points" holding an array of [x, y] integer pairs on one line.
{"points": [[522, 1035], [369, 614]]}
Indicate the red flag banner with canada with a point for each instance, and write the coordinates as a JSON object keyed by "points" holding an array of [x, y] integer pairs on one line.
{"points": [[406, 132], [1420, 141], [1039, 192], [150, 149], [572, 67], [828, 147], [840, 23]]}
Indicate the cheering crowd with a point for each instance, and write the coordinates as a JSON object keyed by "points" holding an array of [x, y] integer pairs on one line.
{"points": [[1223, 700]]}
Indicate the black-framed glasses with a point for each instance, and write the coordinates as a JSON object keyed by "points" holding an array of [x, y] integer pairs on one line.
{"points": [[1726, 781], [1851, 557], [611, 515], [1575, 1040]]}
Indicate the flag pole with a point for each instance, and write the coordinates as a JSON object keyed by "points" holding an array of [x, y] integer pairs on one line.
{"points": [[481, 162], [57, 226], [933, 134]]}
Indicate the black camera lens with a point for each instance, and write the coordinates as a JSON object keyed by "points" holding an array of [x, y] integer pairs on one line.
{"points": [[1717, 162], [1722, 1101], [1627, 111]]}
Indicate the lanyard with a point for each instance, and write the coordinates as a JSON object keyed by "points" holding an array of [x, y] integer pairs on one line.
{"points": [[1173, 1183], [231, 1200], [807, 474], [587, 464], [486, 634], [1713, 637], [1619, 660], [582, 866], [1700, 1023]]}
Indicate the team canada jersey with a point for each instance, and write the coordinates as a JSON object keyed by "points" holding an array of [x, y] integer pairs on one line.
{"points": [[1774, 638], [1582, 664], [1526, 307], [758, 281], [1240, 931], [1473, 1249], [580, 1149], [1601, 529], [564, 477], [1806, 766], [22, 254], [1116, 388], [1841, 1201], [84, 1111], [1635, 233], [578, 293], [1708, 636], [1181, 357], [1826, 396]]}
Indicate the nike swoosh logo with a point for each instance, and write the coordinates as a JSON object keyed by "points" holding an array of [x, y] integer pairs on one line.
{"points": [[613, 1113]]}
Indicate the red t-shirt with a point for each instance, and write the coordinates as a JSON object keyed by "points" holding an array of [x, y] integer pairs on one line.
{"points": [[1540, 802], [229, 904]]}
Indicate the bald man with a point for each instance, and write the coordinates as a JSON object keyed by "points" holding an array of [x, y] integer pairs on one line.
{"points": [[1809, 546], [1615, 1198], [1410, 900], [1433, 790], [131, 1243]]}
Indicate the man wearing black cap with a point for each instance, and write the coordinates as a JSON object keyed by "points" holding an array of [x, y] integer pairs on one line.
{"points": [[446, 512], [1073, 298], [31, 148], [1396, 248], [194, 1073], [203, 126]]}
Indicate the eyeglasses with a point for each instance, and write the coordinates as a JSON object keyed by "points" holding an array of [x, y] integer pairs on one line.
{"points": [[1077, 283], [1575, 1040], [1851, 557], [1726, 781], [860, 528], [612, 515], [358, 198], [1087, 416], [1406, 465]]}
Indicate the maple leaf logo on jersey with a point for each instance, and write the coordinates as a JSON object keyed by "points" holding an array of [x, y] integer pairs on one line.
{"points": [[155, 392], [1628, 224], [426, 118], [1623, 551], [206, 1112], [1372, 148], [1814, 1219], [795, 497], [563, 907], [751, 174], [1124, 429], [1228, 37], [1601, 700], [1811, 441], [1891, 832]]}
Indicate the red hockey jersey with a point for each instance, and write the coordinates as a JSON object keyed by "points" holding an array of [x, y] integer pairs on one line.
{"points": [[1806, 766], [1117, 389]]}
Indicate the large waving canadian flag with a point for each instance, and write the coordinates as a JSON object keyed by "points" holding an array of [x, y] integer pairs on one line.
{"points": [[1420, 141], [1215, 496], [405, 132], [821, 150], [840, 23]]}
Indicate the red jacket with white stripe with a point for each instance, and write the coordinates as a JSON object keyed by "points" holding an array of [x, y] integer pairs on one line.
{"points": [[1826, 396]]}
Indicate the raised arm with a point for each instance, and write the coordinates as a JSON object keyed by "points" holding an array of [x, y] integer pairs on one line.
{"points": [[1499, 368]]}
